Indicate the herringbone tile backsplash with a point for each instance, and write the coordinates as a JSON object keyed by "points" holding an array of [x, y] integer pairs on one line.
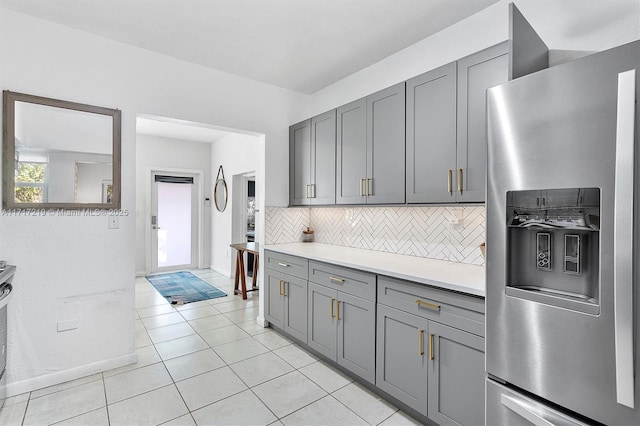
{"points": [[414, 231]]}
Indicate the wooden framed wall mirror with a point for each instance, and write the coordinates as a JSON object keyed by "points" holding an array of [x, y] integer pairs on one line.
{"points": [[59, 154]]}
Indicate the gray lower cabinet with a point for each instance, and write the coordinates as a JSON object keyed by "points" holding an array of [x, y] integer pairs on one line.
{"points": [[401, 356], [342, 328], [422, 345], [430, 350], [286, 304], [322, 322], [456, 376]]}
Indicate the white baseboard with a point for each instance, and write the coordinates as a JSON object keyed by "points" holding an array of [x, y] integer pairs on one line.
{"points": [[141, 274], [58, 377], [262, 322]]}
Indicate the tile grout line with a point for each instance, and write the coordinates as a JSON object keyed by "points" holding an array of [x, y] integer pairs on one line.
{"points": [[106, 402]]}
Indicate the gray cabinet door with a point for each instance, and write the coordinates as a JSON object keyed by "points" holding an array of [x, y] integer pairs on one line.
{"points": [[456, 377], [274, 303], [300, 163], [401, 356], [476, 74], [351, 152], [295, 307], [386, 146], [322, 327], [323, 159], [431, 136], [357, 335]]}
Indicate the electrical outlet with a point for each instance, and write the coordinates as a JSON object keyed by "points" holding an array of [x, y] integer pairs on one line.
{"points": [[349, 215], [114, 222], [457, 218]]}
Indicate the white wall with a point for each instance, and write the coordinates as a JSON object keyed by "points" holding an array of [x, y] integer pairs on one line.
{"points": [[89, 181], [75, 267], [61, 185], [237, 155], [158, 153]]}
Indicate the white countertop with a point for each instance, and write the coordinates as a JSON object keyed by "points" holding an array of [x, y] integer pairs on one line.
{"points": [[455, 276]]}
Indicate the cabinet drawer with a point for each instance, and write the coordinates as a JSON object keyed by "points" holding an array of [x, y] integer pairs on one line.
{"points": [[291, 265], [356, 283], [458, 310]]}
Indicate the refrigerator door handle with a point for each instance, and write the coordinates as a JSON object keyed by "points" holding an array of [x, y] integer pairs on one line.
{"points": [[535, 413], [623, 239]]}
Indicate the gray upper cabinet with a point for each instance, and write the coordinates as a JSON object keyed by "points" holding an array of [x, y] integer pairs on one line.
{"points": [[476, 74], [420, 141], [323, 158], [299, 163], [456, 376], [371, 149], [351, 146], [312, 161], [386, 146], [446, 128], [431, 136]]}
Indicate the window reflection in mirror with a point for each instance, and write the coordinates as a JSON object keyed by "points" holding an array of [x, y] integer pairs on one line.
{"points": [[60, 154]]}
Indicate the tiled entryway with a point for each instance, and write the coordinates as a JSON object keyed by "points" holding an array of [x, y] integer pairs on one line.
{"points": [[206, 363]]}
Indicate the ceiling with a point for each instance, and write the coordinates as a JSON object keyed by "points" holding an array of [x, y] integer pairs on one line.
{"points": [[302, 45], [178, 129], [306, 45]]}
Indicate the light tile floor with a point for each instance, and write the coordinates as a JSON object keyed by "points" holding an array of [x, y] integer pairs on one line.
{"points": [[206, 363]]}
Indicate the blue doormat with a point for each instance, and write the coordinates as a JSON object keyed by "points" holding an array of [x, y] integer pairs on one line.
{"points": [[183, 287]]}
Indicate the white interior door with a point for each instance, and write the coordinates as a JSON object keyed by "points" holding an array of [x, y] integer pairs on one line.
{"points": [[174, 221]]}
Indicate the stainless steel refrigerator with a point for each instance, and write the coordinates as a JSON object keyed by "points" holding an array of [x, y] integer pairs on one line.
{"points": [[563, 247]]}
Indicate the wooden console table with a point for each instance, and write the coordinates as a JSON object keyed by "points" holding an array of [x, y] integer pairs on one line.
{"points": [[240, 275]]}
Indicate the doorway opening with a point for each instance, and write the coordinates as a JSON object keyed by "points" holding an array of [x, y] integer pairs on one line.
{"points": [[175, 220], [244, 209]]}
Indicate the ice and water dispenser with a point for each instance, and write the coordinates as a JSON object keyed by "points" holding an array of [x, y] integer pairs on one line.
{"points": [[553, 247]]}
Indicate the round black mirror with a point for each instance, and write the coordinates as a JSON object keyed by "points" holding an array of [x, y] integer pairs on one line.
{"points": [[220, 191]]}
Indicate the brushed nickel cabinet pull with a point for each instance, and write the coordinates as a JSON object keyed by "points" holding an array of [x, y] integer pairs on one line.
{"points": [[336, 279], [281, 291], [308, 191], [362, 187], [313, 190], [431, 355], [283, 264], [450, 181], [421, 342], [332, 314], [338, 309], [369, 185], [284, 288], [460, 180], [428, 305]]}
